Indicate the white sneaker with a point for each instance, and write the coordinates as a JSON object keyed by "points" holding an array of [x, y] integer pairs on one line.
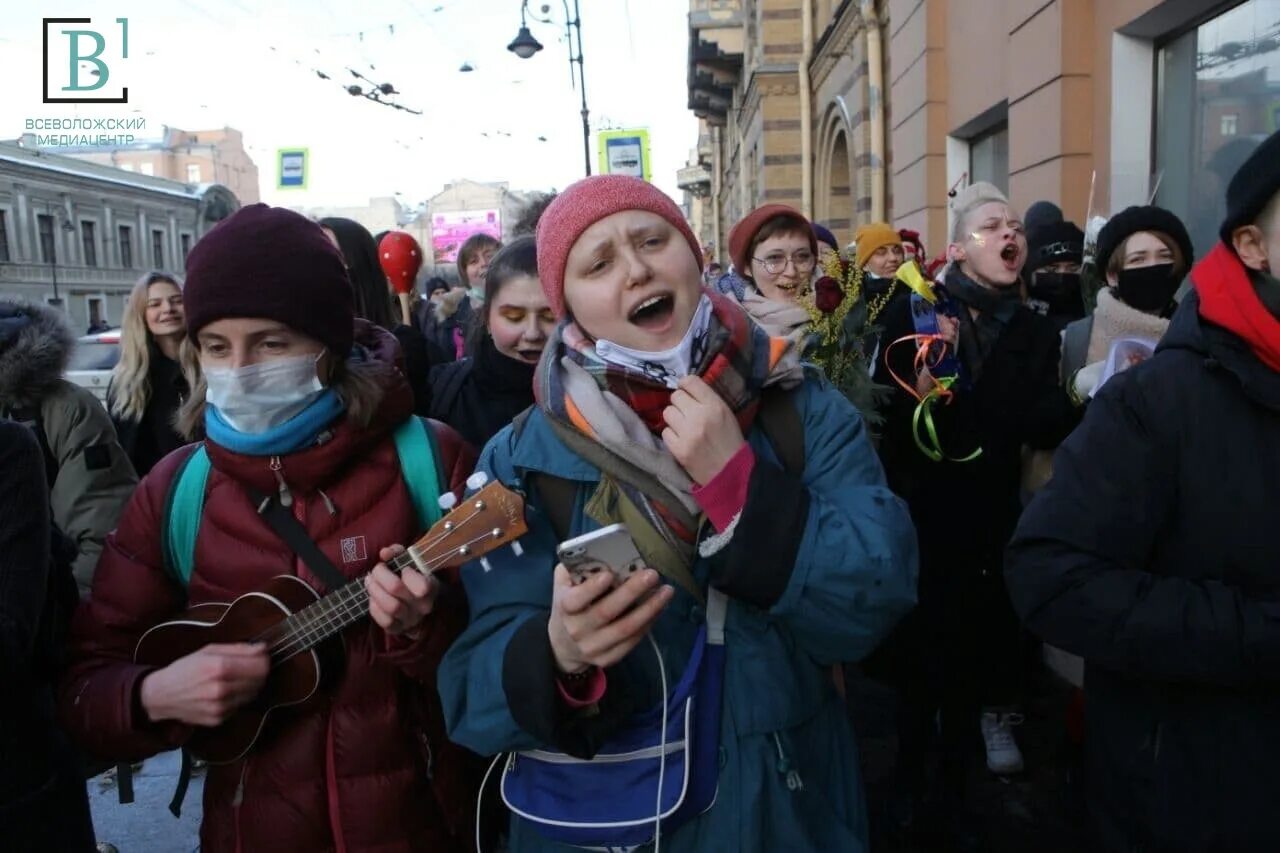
{"points": [[1003, 755]]}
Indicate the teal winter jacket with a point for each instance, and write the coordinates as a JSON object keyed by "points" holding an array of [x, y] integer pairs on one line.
{"points": [[818, 570]]}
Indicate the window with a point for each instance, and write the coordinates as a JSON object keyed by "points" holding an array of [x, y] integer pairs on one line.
{"points": [[186, 248], [4, 236], [88, 239], [48, 248], [126, 247], [989, 158], [97, 310], [193, 173], [1215, 97], [157, 249], [147, 168]]}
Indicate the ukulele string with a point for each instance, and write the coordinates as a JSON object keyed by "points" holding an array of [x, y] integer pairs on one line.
{"points": [[304, 623], [342, 612], [300, 621]]}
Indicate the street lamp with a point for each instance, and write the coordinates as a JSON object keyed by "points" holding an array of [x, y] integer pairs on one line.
{"points": [[524, 45], [53, 249]]}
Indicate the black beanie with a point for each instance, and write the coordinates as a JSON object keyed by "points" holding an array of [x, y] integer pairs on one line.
{"points": [[1131, 220], [1052, 243], [1253, 187], [270, 262], [1040, 214]]}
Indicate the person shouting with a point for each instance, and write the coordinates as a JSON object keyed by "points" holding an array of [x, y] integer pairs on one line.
{"points": [[648, 409]]}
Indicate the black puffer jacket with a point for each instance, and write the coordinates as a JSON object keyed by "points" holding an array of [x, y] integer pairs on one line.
{"points": [[1152, 554], [43, 805]]}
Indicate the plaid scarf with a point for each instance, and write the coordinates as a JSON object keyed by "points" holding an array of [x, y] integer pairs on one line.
{"points": [[621, 408]]}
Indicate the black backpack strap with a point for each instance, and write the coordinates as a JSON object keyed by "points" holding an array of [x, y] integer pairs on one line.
{"points": [[179, 793], [446, 394], [783, 427], [296, 537], [557, 497]]}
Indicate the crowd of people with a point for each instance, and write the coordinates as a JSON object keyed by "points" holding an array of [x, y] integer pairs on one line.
{"points": [[942, 471]]}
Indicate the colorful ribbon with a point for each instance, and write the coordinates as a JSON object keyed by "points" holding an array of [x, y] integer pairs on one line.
{"points": [[941, 390]]}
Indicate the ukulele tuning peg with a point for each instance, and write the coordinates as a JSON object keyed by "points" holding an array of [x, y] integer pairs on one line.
{"points": [[477, 480], [448, 501], [484, 564], [517, 549]]}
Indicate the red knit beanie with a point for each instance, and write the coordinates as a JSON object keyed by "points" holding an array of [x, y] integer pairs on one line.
{"points": [[584, 204], [742, 234], [273, 263]]}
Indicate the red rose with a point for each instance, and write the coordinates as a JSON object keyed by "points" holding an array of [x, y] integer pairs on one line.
{"points": [[827, 294]]}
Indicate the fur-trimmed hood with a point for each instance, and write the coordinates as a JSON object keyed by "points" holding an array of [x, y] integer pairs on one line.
{"points": [[449, 304], [35, 345]]}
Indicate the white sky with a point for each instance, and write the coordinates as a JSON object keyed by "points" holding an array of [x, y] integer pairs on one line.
{"points": [[207, 63]]}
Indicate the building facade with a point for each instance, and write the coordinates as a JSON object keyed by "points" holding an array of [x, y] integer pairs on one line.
{"points": [[79, 235], [189, 157], [384, 213], [467, 196], [857, 111], [784, 91]]}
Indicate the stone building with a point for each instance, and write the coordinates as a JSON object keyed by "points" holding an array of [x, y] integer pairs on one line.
{"points": [[783, 90], [189, 156], [79, 234], [1094, 105], [875, 109]]}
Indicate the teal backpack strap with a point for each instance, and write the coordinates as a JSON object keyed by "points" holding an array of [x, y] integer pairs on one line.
{"points": [[420, 467], [183, 509]]}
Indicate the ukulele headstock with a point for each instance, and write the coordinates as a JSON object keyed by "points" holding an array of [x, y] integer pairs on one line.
{"points": [[480, 523]]}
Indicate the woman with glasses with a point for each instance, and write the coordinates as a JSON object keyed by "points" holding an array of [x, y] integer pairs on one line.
{"points": [[775, 251]]}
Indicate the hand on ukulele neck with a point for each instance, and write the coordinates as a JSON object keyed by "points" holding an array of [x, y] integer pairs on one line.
{"points": [[399, 602]]}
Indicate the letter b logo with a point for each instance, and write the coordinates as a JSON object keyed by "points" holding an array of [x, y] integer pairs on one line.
{"points": [[80, 61]]}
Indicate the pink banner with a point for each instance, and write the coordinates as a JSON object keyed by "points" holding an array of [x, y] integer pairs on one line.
{"points": [[450, 230]]}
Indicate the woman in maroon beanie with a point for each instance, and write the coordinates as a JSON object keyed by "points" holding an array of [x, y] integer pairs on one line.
{"points": [[299, 402]]}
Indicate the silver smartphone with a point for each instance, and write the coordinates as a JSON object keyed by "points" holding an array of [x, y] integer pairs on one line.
{"points": [[609, 549]]}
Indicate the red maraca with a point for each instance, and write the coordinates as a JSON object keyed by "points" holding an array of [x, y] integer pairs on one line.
{"points": [[401, 258]]}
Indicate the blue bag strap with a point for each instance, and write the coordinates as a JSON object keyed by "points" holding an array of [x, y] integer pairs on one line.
{"points": [[182, 512], [419, 466]]}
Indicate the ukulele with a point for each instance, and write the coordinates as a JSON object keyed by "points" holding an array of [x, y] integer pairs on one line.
{"points": [[292, 619]]}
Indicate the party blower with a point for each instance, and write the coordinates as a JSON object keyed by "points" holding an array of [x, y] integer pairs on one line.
{"points": [[401, 258]]}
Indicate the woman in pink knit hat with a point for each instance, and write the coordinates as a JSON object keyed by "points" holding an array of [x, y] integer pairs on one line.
{"points": [[773, 550]]}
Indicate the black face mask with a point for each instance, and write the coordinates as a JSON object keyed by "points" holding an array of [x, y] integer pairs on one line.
{"points": [[1060, 291], [1148, 289]]}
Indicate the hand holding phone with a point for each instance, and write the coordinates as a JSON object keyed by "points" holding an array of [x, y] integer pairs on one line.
{"points": [[609, 549], [606, 603]]}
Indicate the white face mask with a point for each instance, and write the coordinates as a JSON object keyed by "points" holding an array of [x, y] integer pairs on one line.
{"points": [[261, 396], [668, 366]]}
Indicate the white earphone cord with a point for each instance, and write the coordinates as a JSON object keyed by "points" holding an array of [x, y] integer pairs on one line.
{"points": [[662, 749]]}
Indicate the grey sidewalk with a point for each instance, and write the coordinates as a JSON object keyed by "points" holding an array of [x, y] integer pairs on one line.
{"points": [[146, 825]]}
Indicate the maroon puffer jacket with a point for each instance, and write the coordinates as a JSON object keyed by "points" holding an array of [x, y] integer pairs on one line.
{"points": [[365, 768]]}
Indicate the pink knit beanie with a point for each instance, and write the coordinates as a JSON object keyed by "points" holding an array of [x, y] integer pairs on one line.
{"points": [[582, 205]]}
